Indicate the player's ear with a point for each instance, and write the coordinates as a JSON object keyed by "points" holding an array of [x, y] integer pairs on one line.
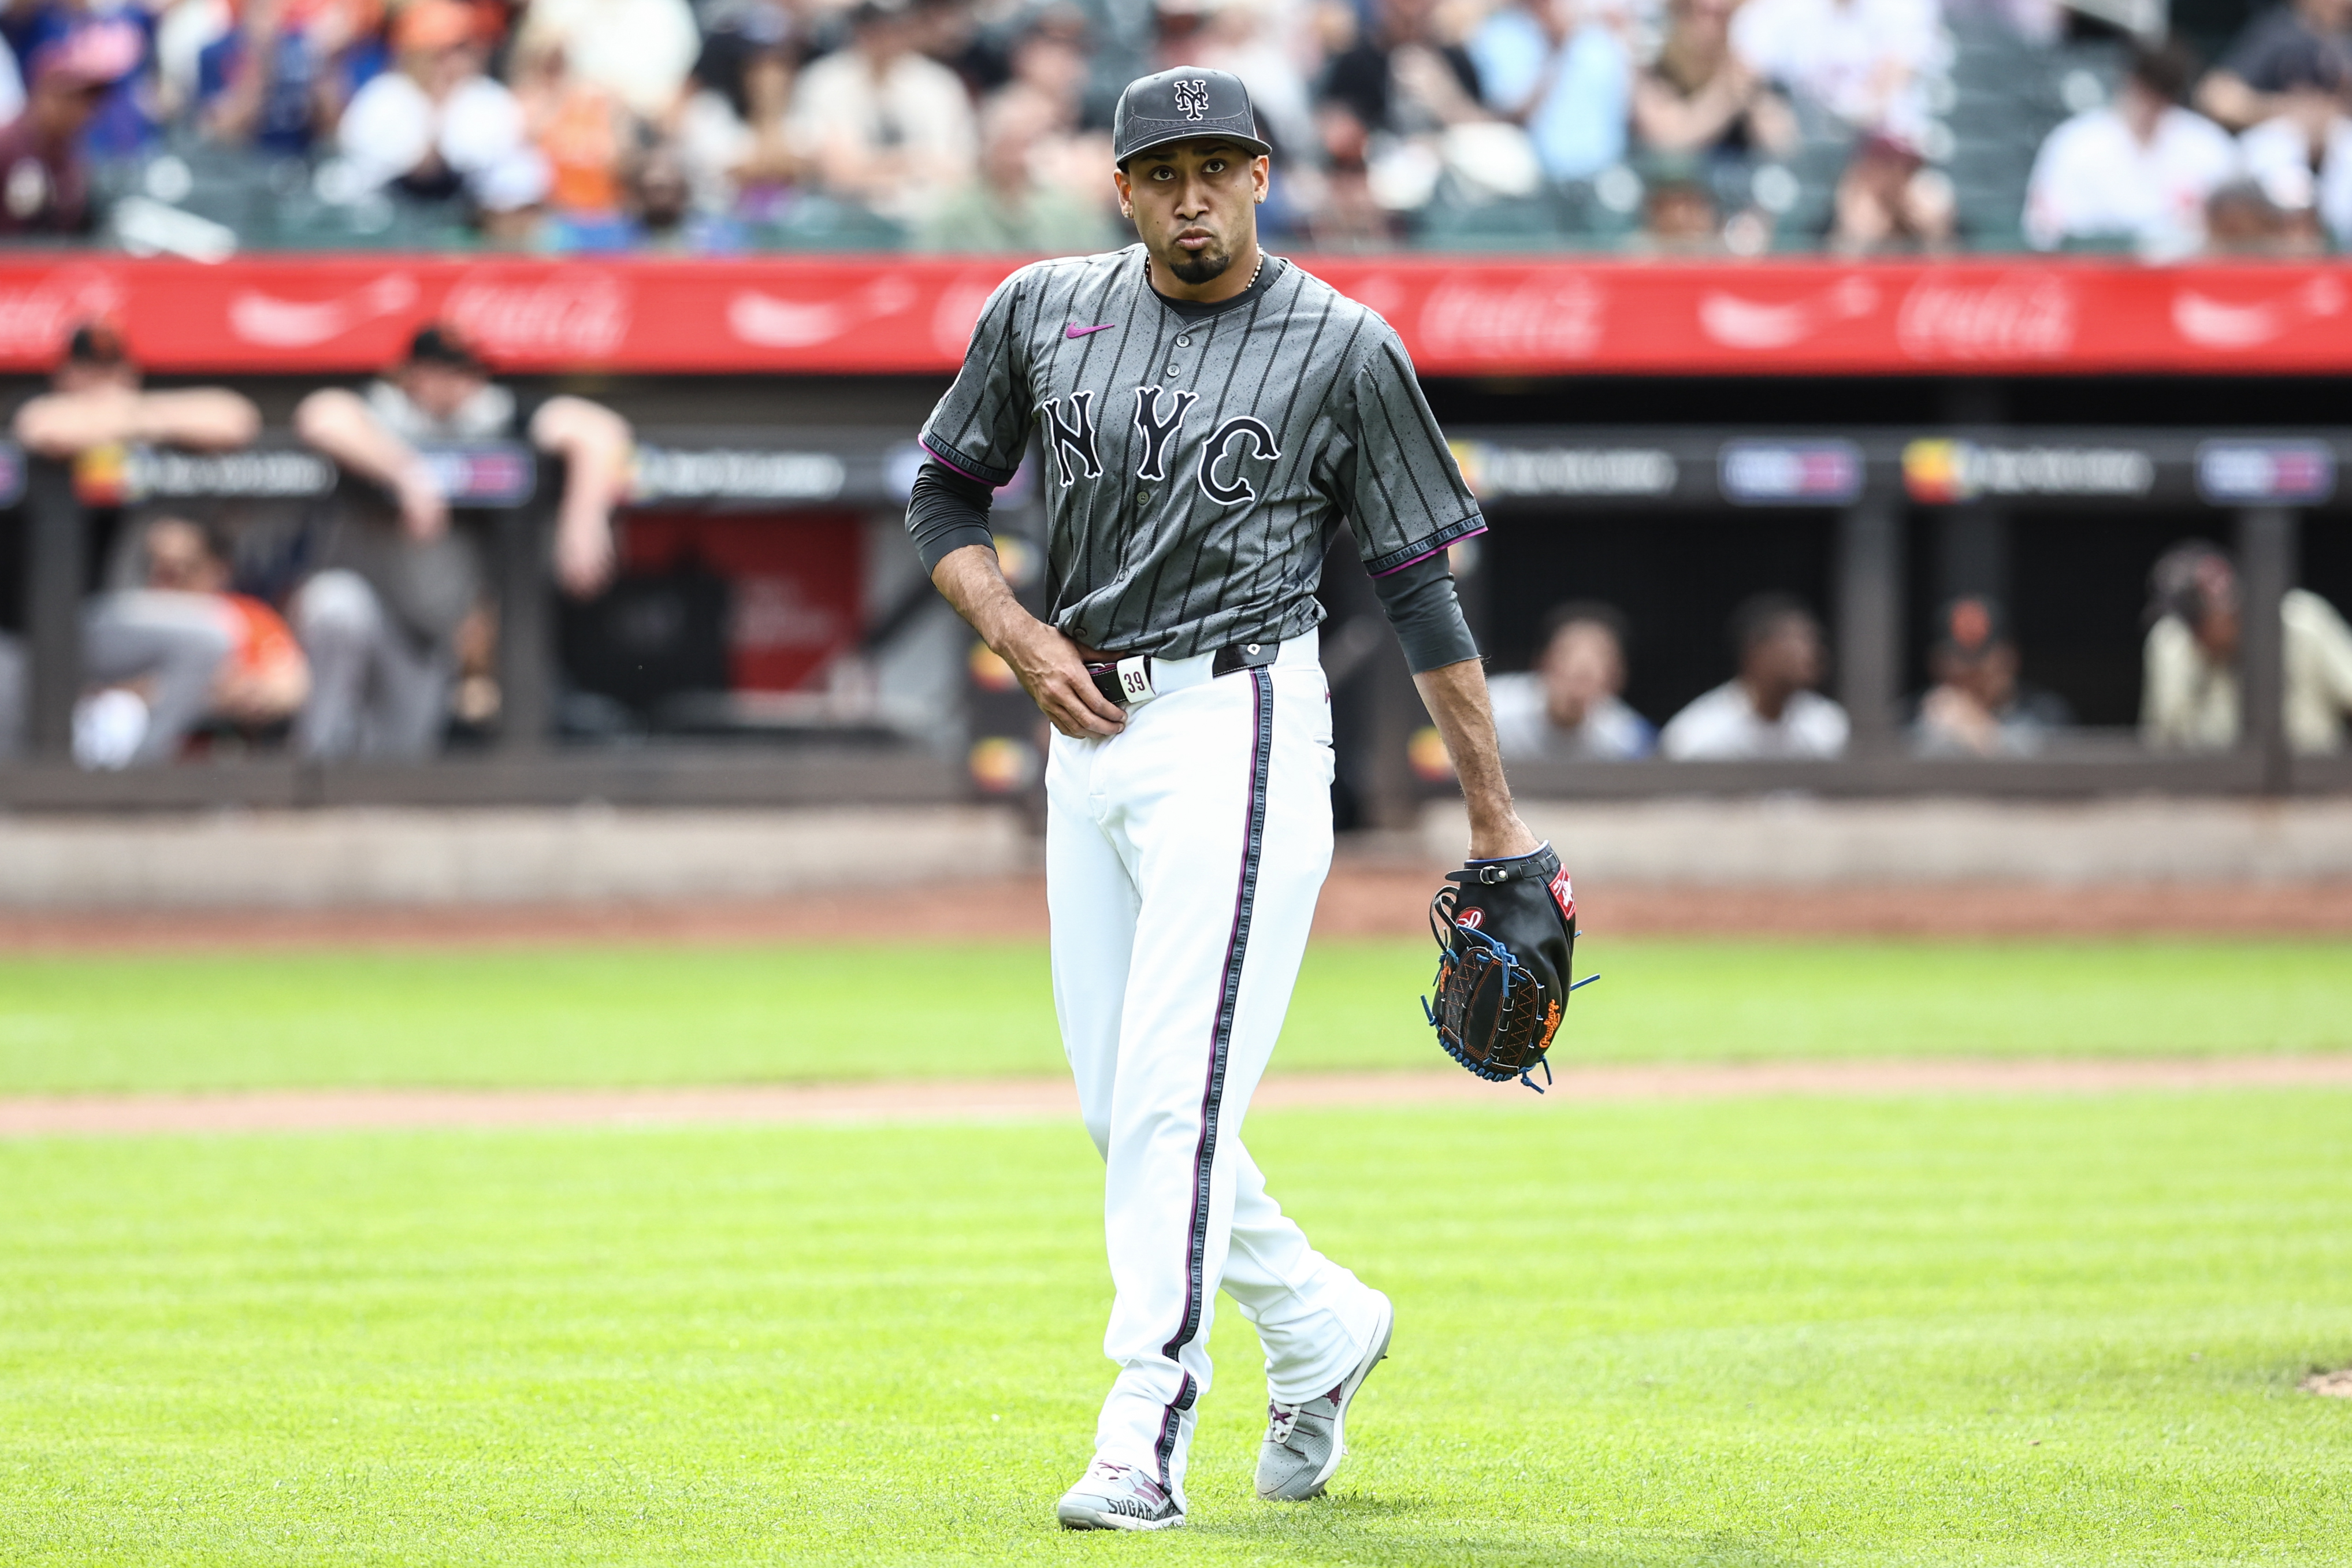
{"points": [[1261, 176]]}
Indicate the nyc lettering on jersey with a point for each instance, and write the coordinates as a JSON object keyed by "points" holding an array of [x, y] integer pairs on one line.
{"points": [[1219, 469]]}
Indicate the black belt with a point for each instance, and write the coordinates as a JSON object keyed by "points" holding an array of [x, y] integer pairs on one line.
{"points": [[1113, 683]]}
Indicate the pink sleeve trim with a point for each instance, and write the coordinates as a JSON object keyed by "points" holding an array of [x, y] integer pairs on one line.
{"points": [[967, 473], [1432, 550]]}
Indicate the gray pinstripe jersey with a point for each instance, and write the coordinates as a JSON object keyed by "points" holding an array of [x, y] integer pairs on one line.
{"points": [[1193, 464]]}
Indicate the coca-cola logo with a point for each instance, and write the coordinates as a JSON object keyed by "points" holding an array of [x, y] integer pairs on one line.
{"points": [[35, 317], [1542, 318], [2017, 316], [568, 315]]}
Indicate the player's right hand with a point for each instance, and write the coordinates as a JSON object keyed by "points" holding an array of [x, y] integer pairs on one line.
{"points": [[1054, 673]]}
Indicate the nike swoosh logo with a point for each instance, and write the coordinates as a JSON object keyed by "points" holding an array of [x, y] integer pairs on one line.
{"points": [[1082, 331]]}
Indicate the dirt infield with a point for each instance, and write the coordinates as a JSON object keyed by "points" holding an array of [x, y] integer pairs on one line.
{"points": [[344, 1110], [1380, 900]]}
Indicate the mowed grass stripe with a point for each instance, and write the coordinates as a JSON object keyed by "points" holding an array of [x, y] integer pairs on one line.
{"points": [[799, 1014], [2055, 1331]]}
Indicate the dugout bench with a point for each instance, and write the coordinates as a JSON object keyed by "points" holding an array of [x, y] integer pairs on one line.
{"points": [[2266, 486]]}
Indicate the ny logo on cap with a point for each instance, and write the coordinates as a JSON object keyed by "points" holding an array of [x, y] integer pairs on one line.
{"points": [[1193, 98]]}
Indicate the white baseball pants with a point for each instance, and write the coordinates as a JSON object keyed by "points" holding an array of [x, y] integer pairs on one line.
{"points": [[1183, 857]]}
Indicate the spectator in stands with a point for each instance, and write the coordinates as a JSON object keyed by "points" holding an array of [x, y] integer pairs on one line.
{"points": [[1005, 208], [1344, 214], [1405, 76], [279, 80], [1238, 37], [662, 212], [1976, 708], [1700, 96], [437, 127], [2294, 62], [2290, 162], [1569, 708], [1563, 75], [95, 401], [1770, 709], [1889, 198], [2242, 218], [638, 51], [1679, 217], [1048, 63], [2189, 696], [880, 123], [44, 167], [732, 138], [585, 137], [1866, 62], [2140, 169], [383, 619]]}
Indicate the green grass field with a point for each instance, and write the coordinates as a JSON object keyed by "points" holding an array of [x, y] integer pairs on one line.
{"points": [[1978, 1332], [1963, 1331], [624, 1015]]}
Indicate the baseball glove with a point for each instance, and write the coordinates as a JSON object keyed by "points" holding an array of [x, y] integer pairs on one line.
{"points": [[1507, 932]]}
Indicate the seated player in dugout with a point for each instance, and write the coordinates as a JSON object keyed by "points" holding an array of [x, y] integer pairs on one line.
{"points": [[1570, 707], [1978, 706], [1211, 412], [1771, 709], [182, 651], [98, 400], [400, 605]]}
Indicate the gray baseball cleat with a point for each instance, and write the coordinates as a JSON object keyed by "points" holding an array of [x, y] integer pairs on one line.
{"points": [[1118, 1497], [1304, 1443]]}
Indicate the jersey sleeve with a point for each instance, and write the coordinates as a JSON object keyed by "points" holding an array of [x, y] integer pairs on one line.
{"points": [[1404, 493], [980, 427]]}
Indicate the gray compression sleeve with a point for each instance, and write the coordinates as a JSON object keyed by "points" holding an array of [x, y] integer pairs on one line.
{"points": [[946, 512], [1421, 604]]}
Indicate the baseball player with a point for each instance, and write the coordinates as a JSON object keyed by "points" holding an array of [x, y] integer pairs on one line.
{"points": [[1209, 412]]}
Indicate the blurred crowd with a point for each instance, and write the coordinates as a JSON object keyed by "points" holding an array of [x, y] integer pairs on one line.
{"points": [[1691, 126]]}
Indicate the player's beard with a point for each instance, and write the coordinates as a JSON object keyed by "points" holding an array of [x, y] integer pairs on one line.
{"points": [[1201, 268]]}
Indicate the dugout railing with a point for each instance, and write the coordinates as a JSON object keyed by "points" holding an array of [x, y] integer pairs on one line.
{"points": [[2263, 488]]}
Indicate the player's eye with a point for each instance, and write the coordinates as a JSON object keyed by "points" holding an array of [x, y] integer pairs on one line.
{"points": [[1214, 166]]}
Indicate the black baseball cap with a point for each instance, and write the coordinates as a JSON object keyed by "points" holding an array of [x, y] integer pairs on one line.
{"points": [[96, 343], [1187, 104], [442, 345]]}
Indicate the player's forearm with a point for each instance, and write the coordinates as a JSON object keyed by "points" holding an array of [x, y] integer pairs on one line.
{"points": [[340, 425], [1046, 663], [64, 424], [970, 579], [1456, 695], [209, 418]]}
